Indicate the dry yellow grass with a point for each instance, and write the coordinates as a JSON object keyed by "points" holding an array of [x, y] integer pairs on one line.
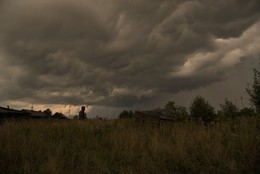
{"points": [[122, 146]]}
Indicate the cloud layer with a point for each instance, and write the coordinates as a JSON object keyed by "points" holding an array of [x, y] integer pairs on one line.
{"points": [[118, 53]]}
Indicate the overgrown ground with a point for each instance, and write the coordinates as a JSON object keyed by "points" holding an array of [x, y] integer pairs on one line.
{"points": [[121, 146]]}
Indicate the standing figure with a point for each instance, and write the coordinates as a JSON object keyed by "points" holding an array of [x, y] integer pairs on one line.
{"points": [[82, 114]]}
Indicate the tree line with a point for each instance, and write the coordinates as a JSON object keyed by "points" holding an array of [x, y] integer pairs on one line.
{"points": [[201, 109]]}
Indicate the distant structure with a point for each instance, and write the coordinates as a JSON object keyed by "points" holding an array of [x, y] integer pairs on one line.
{"points": [[7, 113], [58, 115], [36, 114], [156, 115], [25, 114], [82, 114]]}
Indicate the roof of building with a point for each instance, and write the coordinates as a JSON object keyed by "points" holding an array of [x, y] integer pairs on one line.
{"points": [[59, 116], [33, 113], [9, 111], [153, 114]]}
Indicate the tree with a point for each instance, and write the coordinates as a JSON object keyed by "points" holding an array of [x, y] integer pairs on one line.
{"points": [[228, 109], [253, 89], [126, 114], [170, 107], [48, 112], [178, 112], [200, 109], [247, 112]]}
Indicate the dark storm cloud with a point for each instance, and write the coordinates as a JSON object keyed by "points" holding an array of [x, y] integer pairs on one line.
{"points": [[112, 52]]}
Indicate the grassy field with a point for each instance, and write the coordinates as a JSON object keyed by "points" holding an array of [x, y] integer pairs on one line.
{"points": [[121, 146]]}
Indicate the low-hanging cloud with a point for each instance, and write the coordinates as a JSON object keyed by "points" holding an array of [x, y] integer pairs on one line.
{"points": [[117, 53]]}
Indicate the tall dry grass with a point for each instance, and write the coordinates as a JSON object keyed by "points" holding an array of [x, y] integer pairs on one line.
{"points": [[122, 146]]}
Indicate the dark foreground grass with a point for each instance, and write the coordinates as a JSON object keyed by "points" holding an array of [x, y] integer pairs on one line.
{"points": [[121, 146]]}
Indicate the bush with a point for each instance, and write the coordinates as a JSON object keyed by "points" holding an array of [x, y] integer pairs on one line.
{"points": [[126, 114], [228, 109], [48, 112], [253, 89], [200, 109], [178, 112], [247, 112]]}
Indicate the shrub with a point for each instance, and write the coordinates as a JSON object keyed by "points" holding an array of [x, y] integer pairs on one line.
{"points": [[228, 109], [247, 112], [178, 112], [48, 112], [126, 114], [253, 90], [200, 109]]}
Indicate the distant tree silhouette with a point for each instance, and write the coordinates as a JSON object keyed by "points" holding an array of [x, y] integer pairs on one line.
{"points": [[247, 112], [178, 112], [228, 109], [200, 109], [126, 114], [253, 89], [48, 112]]}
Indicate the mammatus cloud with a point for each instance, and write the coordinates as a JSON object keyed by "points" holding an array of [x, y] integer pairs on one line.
{"points": [[118, 53]]}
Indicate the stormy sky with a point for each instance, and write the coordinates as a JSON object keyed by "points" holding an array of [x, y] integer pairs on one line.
{"points": [[126, 54]]}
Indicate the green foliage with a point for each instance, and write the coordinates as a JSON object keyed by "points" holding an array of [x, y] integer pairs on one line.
{"points": [[253, 90], [126, 114], [178, 112], [120, 146], [228, 109], [200, 109]]}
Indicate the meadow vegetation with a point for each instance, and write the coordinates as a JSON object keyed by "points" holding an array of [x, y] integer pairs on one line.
{"points": [[124, 146]]}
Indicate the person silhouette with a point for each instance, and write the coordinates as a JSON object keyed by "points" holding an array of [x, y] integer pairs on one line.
{"points": [[82, 114]]}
